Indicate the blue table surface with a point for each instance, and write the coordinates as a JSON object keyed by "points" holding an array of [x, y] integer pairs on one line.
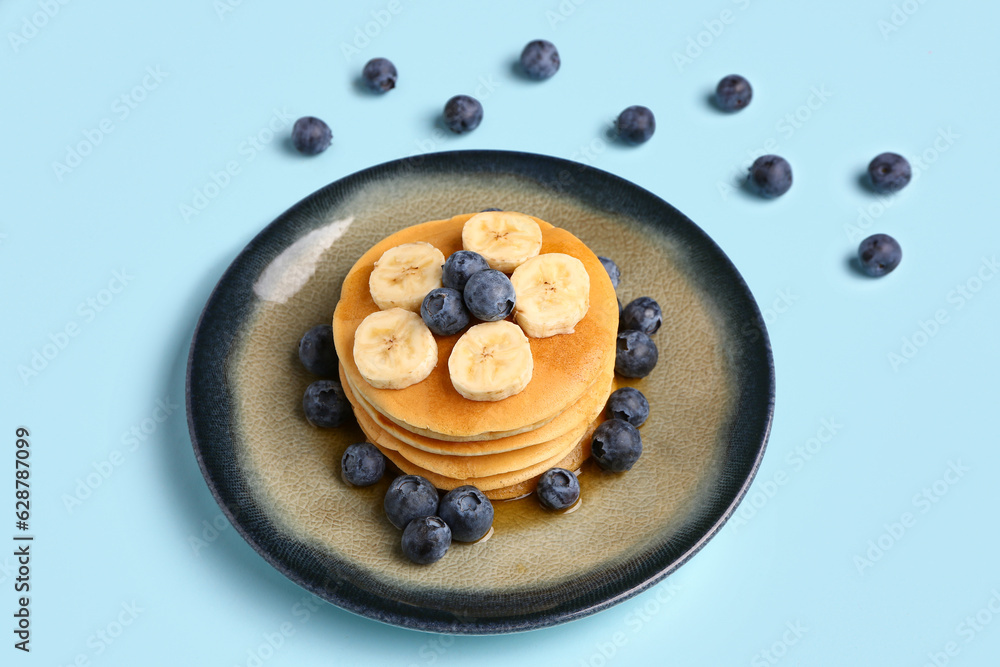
{"points": [[145, 144]]}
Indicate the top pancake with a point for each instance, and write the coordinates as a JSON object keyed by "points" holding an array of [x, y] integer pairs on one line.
{"points": [[564, 365]]}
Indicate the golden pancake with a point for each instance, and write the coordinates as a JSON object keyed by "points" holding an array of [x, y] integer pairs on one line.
{"points": [[564, 365], [465, 467]]}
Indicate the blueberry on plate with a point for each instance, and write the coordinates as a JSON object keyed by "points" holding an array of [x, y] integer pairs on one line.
{"points": [[770, 176], [558, 489], [635, 354], [468, 512], [486, 210], [463, 114], [540, 59], [616, 445], [408, 497], [642, 314], [889, 172], [325, 404], [460, 266], [636, 125], [362, 464], [628, 404], [733, 93], [379, 75], [489, 295], [426, 539], [444, 312], [879, 254], [317, 352], [311, 136], [613, 271]]}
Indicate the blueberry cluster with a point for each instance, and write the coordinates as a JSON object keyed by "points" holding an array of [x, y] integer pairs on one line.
{"points": [[471, 289], [324, 402]]}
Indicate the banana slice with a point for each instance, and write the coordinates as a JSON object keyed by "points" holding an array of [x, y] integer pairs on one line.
{"points": [[491, 361], [504, 238], [394, 349], [552, 294], [404, 275]]}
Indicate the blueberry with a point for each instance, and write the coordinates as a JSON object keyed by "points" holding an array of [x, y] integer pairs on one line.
{"points": [[489, 295], [558, 489], [362, 464], [733, 93], [879, 254], [317, 353], [408, 497], [468, 512], [642, 314], [770, 176], [540, 59], [613, 271], [379, 75], [486, 210], [426, 540], [325, 404], [616, 445], [311, 135], [889, 172], [444, 312], [460, 266], [636, 354], [463, 114], [636, 125], [628, 404]]}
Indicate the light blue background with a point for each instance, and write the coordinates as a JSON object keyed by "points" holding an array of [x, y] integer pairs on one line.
{"points": [[912, 77]]}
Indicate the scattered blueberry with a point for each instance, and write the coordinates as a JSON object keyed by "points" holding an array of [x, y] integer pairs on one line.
{"points": [[444, 312], [636, 125], [325, 404], [379, 75], [642, 314], [489, 295], [770, 176], [540, 59], [408, 497], [460, 266], [468, 512], [558, 489], [317, 353], [362, 464], [426, 540], [628, 404], [636, 354], [311, 135], [463, 114], [879, 254], [889, 172], [733, 93], [616, 445], [613, 271]]}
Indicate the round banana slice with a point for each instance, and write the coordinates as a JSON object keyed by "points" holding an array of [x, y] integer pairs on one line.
{"points": [[552, 294], [491, 361], [504, 238], [404, 275], [394, 349]]}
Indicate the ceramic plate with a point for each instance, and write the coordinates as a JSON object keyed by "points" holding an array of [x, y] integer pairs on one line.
{"points": [[277, 478]]}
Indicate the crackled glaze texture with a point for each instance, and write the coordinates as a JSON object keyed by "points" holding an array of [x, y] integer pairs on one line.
{"points": [[538, 568]]}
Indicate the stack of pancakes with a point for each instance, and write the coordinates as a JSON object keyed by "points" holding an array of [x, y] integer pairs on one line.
{"points": [[500, 447]]}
